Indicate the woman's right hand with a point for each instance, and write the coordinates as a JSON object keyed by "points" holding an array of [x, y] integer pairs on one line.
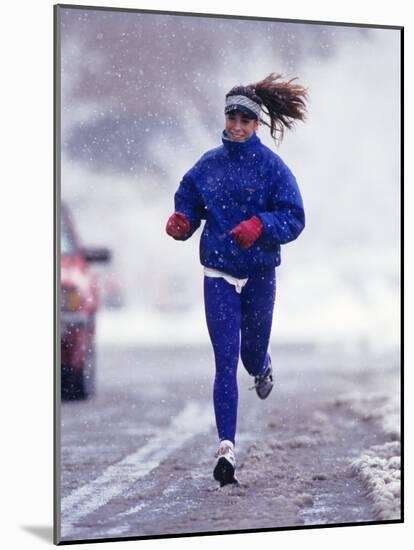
{"points": [[178, 227]]}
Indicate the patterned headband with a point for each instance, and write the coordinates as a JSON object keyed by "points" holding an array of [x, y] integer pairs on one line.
{"points": [[234, 101]]}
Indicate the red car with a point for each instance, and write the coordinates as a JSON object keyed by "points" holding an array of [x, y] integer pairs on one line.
{"points": [[79, 303]]}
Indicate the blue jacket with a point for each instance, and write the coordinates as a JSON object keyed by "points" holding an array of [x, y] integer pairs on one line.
{"points": [[232, 183]]}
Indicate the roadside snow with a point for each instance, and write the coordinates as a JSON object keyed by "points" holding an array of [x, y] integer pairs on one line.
{"points": [[379, 467], [380, 471]]}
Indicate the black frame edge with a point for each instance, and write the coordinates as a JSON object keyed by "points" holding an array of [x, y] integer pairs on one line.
{"points": [[402, 263], [233, 532], [56, 273], [228, 16]]}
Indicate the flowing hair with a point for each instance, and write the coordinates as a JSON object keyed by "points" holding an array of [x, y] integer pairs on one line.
{"points": [[282, 101]]}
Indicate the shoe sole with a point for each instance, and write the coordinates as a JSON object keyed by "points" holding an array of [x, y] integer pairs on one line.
{"points": [[272, 383], [266, 394], [224, 472]]}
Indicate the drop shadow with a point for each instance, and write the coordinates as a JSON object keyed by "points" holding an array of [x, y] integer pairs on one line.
{"points": [[44, 532]]}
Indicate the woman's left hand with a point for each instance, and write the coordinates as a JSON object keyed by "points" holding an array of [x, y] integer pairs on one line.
{"points": [[247, 232]]}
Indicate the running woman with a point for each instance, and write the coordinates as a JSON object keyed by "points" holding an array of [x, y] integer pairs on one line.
{"points": [[251, 204]]}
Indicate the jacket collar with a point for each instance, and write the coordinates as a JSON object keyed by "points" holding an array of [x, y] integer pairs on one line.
{"points": [[240, 147]]}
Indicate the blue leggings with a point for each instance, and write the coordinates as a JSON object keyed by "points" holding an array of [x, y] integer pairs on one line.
{"points": [[238, 324]]}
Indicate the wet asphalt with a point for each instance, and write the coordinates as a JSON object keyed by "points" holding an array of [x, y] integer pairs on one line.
{"points": [[137, 459]]}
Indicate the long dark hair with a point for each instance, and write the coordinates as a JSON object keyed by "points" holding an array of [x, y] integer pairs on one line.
{"points": [[283, 101]]}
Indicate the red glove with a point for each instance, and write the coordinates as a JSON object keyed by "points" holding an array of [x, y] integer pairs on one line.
{"points": [[247, 232], [178, 227]]}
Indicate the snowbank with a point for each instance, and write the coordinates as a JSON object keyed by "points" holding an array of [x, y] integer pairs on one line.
{"points": [[379, 467], [380, 471]]}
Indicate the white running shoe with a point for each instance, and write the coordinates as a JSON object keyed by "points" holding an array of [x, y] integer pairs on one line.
{"points": [[263, 384], [225, 463]]}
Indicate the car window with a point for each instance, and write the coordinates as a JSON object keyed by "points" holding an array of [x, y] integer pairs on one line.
{"points": [[67, 243]]}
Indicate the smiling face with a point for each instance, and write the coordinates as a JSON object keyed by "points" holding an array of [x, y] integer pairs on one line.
{"points": [[239, 127]]}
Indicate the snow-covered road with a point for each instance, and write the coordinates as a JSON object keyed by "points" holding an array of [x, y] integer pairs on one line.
{"points": [[323, 448]]}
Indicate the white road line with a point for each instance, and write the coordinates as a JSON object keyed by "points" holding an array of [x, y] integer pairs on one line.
{"points": [[133, 510], [192, 420]]}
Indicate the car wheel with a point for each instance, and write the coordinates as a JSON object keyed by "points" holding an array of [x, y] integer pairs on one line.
{"points": [[70, 383], [79, 384]]}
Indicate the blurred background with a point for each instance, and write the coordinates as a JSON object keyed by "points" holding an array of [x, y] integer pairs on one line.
{"points": [[142, 99]]}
